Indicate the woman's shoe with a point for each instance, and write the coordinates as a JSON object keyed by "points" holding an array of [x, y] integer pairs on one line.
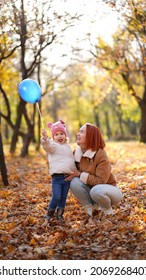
{"points": [[108, 211], [88, 209]]}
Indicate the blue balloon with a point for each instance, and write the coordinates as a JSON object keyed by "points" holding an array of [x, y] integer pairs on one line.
{"points": [[30, 91]]}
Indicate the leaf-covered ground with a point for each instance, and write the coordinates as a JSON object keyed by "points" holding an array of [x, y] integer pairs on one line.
{"points": [[24, 202]]}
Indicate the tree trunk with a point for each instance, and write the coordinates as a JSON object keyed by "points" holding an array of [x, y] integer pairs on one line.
{"points": [[39, 130], [132, 127], [2, 164], [26, 141], [96, 116], [97, 121], [6, 132], [119, 116], [17, 126], [143, 121], [55, 107], [109, 132]]}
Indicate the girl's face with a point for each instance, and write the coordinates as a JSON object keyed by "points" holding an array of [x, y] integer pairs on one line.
{"points": [[60, 137], [81, 136]]}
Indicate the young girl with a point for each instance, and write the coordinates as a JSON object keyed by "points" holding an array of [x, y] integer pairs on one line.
{"points": [[61, 164]]}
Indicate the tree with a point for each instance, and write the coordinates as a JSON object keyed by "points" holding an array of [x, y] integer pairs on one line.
{"points": [[31, 33], [126, 58], [3, 168]]}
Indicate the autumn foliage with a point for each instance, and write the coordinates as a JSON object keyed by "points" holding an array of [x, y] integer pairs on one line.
{"points": [[24, 202]]}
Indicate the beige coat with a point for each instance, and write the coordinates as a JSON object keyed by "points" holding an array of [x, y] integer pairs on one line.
{"points": [[95, 167]]}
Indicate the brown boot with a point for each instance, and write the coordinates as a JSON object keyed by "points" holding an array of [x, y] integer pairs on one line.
{"points": [[60, 212], [48, 217], [50, 214]]}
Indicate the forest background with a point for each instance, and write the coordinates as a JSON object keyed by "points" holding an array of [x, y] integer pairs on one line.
{"points": [[107, 86], [84, 78]]}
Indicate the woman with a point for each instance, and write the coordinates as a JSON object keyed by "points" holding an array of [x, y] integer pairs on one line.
{"points": [[93, 183]]}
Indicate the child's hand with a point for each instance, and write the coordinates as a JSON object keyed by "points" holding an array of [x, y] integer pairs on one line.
{"points": [[44, 135]]}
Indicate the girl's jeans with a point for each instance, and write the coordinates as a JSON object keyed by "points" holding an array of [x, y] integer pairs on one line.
{"points": [[60, 189], [103, 194]]}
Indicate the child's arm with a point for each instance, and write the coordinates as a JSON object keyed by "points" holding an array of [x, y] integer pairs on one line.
{"points": [[44, 135], [45, 141]]}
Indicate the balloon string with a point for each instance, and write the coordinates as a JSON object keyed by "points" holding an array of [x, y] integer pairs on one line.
{"points": [[40, 115]]}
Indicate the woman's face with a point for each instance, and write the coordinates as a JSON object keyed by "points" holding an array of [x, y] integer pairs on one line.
{"points": [[81, 136]]}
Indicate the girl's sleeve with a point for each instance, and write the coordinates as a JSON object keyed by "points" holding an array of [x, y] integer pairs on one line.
{"points": [[48, 146]]}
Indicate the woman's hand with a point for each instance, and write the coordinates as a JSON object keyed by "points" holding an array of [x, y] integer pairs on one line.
{"points": [[44, 134], [72, 175]]}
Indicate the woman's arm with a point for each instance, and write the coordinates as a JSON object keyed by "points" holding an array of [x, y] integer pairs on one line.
{"points": [[96, 172], [74, 174], [101, 175]]}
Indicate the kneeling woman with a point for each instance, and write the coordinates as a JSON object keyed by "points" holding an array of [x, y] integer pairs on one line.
{"points": [[93, 183]]}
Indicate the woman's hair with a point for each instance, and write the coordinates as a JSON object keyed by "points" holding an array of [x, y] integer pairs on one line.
{"points": [[94, 138]]}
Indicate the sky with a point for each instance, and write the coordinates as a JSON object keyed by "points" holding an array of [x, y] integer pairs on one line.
{"points": [[97, 19]]}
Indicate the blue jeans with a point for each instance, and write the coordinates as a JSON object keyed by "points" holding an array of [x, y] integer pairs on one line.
{"points": [[60, 189]]}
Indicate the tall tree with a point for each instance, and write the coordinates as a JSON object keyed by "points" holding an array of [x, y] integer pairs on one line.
{"points": [[127, 56], [31, 33], [3, 168]]}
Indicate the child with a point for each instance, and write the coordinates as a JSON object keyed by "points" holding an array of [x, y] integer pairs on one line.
{"points": [[61, 164]]}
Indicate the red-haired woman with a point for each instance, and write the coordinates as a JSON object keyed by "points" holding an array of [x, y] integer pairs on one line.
{"points": [[93, 183]]}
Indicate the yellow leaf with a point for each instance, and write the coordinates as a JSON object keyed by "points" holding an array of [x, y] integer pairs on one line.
{"points": [[144, 218], [136, 209], [132, 186], [50, 252], [70, 243], [11, 248], [4, 194], [32, 242], [32, 220], [10, 226]]}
